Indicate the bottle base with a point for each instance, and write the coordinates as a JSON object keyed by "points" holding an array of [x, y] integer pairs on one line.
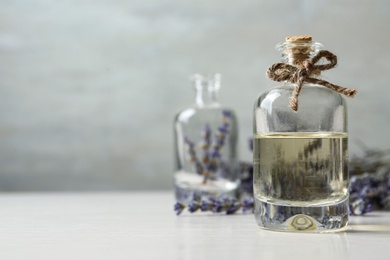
{"points": [[189, 184], [326, 218]]}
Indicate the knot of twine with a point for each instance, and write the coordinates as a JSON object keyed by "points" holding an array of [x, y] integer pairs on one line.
{"points": [[302, 72]]}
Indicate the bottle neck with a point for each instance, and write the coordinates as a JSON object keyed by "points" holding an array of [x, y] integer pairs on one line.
{"points": [[294, 53], [206, 98], [207, 90]]}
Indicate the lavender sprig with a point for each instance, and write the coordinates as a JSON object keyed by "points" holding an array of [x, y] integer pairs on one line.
{"points": [[205, 147], [219, 141], [192, 157], [210, 160], [178, 207], [205, 144], [370, 191], [369, 182], [221, 204]]}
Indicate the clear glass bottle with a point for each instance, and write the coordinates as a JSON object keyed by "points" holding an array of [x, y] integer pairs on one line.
{"points": [[206, 145], [301, 157]]}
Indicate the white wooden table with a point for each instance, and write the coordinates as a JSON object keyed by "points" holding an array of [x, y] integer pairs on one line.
{"points": [[142, 225]]}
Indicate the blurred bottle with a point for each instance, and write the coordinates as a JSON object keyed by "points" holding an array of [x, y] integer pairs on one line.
{"points": [[205, 145]]}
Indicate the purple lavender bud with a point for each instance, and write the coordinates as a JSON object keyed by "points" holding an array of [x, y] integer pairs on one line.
{"points": [[206, 135], [215, 154], [219, 141], [250, 144], [205, 205], [212, 199], [178, 207], [193, 206], [224, 128], [368, 208], [227, 114], [365, 191], [247, 204], [217, 205], [233, 207]]}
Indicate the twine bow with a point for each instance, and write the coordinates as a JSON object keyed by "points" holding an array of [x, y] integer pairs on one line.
{"points": [[301, 73]]}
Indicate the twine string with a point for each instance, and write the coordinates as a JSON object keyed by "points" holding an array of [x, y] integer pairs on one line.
{"points": [[302, 73]]}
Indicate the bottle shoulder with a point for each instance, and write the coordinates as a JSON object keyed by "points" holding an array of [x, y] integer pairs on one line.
{"points": [[319, 110], [289, 87], [208, 112], [310, 93]]}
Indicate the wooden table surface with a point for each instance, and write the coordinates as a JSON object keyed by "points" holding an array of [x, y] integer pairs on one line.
{"points": [[142, 225]]}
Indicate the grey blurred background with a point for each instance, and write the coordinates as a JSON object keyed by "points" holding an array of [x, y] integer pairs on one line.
{"points": [[89, 88]]}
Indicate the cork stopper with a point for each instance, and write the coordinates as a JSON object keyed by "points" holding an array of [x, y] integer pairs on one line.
{"points": [[300, 38], [298, 48]]}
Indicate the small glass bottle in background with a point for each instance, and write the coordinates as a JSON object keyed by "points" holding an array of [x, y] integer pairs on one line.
{"points": [[205, 145], [301, 157]]}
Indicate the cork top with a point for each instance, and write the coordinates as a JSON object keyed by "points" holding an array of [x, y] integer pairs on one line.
{"points": [[300, 38]]}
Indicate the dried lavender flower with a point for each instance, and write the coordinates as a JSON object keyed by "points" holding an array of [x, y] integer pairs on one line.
{"points": [[178, 207], [211, 159], [369, 191], [228, 115], [221, 204], [193, 206], [205, 144], [250, 144], [192, 157], [247, 204]]}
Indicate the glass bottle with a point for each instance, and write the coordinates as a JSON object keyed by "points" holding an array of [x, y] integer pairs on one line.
{"points": [[301, 157], [206, 145]]}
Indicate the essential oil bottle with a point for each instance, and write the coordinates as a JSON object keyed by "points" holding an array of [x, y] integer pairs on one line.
{"points": [[206, 137], [301, 145]]}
